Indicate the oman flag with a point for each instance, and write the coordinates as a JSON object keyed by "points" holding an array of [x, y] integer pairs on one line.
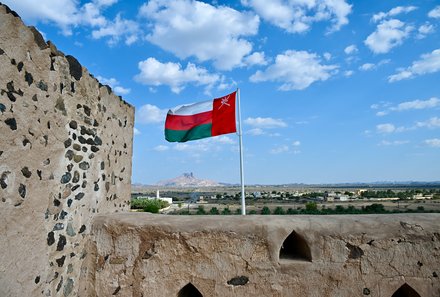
{"points": [[201, 120]]}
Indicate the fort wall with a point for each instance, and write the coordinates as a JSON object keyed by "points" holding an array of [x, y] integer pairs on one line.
{"points": [[65, 156]]}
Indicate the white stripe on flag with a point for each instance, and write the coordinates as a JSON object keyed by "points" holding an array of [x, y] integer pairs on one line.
{"points": [[193, 108]]}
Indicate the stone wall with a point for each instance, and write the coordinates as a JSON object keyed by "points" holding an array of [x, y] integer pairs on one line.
{"points": [[65, 156], [328, 256]]}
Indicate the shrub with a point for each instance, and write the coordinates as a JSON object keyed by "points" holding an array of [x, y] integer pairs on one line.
{"points": [[201, 210], [226, 211], [265, 210], [214, 211], [279, 211]]}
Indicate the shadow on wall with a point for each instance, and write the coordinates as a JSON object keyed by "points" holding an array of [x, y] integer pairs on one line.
{"points": [[406, 291], [189, 291], [295, 247]]}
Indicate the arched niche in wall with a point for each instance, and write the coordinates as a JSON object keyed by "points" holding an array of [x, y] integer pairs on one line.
{"points": [[295, 247], [189, 291], [406, 291]]}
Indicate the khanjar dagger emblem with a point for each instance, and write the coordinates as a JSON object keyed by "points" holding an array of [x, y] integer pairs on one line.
{"points": [[225, 102]]}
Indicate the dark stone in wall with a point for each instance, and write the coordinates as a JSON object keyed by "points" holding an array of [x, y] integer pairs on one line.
{"points": [[238, 281], [67, 143], [1, 52], [50, 238], [20, 66], [98, 140], [73, 124], [66, 178], [68, 287], [82, 229], [38, 38], [4, 179], [11, 123], [61, 242], [84, 165], [69, 154], [75, 67], [63, 215], [355, 251], [37, 279], [26, 173], [22, 191], [60, 261], [60, 106], [2, 108], [75, 177], [58, 227], [79, 196], [42, 86], [28, 78]]}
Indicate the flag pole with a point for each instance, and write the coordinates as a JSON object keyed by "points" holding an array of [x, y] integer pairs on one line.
{"points": [[240, 136]]}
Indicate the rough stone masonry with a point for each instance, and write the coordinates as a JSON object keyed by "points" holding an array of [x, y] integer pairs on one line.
{"points": [[65, 167], [65, 156]]}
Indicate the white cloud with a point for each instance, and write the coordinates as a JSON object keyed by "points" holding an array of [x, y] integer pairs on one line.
{"points": [[280, 149], [136, 131], [351, 49], [327, 56], [69, 14], [348, 73], [256, 132], [298, 16], [393, 12], [429, 63], [121, 90], [424, 30], [432, 123], [211, 144], [223, 139], [193, 28], [434, 142], [296, 143], [371, 66], [150, 114], [265, 123], [367, 66], [388, 34], [435, 13], [393, 143], [296, 70], [114, 84], [386, 128], [257, 58], [117, 29], [161, 148], [155, 73], [417, 104]]}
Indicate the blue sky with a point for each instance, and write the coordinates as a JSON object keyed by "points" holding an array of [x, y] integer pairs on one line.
{"points": [[331, 90]]}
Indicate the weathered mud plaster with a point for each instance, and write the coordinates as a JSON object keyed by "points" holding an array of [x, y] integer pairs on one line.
{"points": [[365, 255], [65, 156]]}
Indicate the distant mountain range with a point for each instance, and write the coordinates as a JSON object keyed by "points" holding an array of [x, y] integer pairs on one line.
{"points": [[188, 180]]}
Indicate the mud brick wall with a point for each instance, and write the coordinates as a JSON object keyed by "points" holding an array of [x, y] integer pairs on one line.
{"points": [[273, 256], [65, 156]]}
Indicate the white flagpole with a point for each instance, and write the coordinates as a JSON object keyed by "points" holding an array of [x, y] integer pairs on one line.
{"points": [[240, 136]]}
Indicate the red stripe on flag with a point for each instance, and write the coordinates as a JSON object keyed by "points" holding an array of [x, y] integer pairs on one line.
{"points": [[223, 115], [186, 122]]}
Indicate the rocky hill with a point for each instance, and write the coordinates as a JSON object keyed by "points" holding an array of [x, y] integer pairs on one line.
{"points": [[188, 180]]}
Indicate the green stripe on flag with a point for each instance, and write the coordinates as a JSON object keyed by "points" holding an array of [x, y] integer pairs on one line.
{"points": [[197, 132]]}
